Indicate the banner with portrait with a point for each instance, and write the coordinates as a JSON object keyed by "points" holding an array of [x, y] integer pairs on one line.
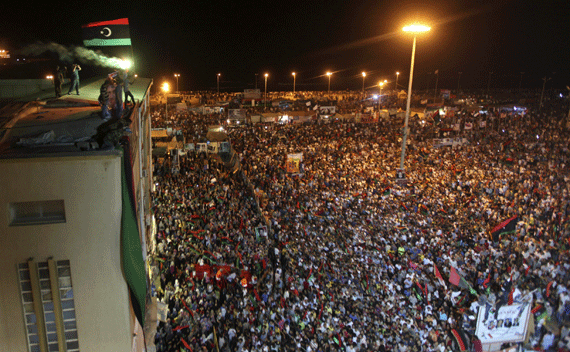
{"points": [[508, 324], [294, 162]]}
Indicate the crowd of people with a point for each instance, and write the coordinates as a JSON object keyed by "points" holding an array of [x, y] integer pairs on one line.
{"points": [[341, 257]]}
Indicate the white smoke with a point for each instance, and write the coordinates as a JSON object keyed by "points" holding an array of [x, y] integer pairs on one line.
{"points": [[73, 53]]}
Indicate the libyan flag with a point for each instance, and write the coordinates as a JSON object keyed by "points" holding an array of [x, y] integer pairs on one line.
{"points": [[506, 227], [131, 249], [107, 33], [461, 339]]}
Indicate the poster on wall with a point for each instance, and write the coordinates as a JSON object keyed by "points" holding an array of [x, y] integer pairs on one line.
{"points": [[508, 324]]}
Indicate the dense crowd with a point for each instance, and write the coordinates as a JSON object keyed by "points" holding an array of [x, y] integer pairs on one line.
{"points": [[341, 257]]}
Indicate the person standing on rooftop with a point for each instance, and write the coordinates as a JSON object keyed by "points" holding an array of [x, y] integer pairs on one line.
{"points": [[74, 79]]}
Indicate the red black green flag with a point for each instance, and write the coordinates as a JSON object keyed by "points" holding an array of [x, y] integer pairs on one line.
{"points": [[107, 33], [506, 227]]}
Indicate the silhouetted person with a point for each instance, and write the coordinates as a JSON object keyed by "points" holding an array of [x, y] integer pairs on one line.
{"points": [[58, 81], [126, 83], [74, 79], [107, 97]]}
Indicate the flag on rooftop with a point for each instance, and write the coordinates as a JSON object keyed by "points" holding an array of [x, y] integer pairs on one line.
{"points": [[107, 33]]}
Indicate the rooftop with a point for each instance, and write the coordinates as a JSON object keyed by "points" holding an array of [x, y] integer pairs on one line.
{"points": [[40, 125]]}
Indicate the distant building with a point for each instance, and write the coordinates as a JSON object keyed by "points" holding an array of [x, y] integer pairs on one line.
{"points": [[74, 229]]}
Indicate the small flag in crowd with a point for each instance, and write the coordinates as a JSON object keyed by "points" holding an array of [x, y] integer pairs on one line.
{"points": [[438, 275], [454, 277], [506, 227], [460, 281], [460, 338]]}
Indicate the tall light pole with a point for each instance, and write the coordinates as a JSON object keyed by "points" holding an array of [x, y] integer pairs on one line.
{"points": [[545, 79], [436, 81], [415, 29], [363, 77], [397, 75], [329, 74], [489, 83], [177, 75], [218, 78], [380, 85], [256, 81], [520, 82], [265, 104], [294, 79], [165, 89], [458, 81]]}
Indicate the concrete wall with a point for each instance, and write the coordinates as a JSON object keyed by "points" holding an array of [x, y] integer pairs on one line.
{"points": [[90, 239], [16, 88]]}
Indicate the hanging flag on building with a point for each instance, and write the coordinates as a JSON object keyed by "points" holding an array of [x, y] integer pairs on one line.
{"points": [[131, 247], [107, 33]]}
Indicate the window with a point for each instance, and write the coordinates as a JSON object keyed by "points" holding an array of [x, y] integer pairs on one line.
{"points": [[37, 213], [27, 303], [61, 277], [67, 305]]}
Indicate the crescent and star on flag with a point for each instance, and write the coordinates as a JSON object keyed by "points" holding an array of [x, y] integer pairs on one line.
{"points": [[106, 32]]}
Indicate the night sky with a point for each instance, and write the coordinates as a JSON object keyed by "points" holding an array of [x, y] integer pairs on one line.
{"points": [[199, 39]]}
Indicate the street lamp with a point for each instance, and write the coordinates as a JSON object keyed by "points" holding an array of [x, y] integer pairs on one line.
{"points": [[397, 75], [256, 81], [458, 81], [176, 75], [520, 82], [265, 103], [165, 89], [294, 77], [415, 29], [329, 74], [363, 76], [218, 78]]}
